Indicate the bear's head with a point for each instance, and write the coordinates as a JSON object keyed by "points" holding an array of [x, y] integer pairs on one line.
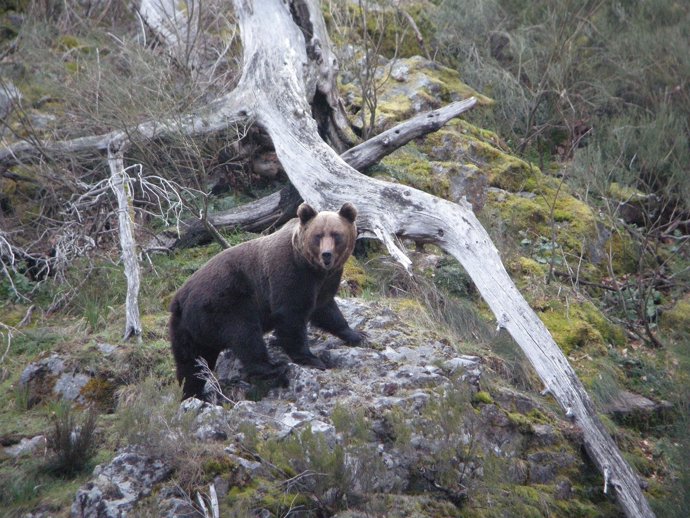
{"points": [[326, 239]]}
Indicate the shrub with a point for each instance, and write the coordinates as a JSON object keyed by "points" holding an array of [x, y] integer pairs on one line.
{"points": [[73, 441]]}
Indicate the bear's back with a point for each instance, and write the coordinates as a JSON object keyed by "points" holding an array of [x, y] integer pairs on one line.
{"points": [[239, 269]]}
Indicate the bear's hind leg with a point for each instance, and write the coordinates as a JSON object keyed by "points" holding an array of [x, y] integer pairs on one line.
{"points": [[190, 374], [249, 346]]}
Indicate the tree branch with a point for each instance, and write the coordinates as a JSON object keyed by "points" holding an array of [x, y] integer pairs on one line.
{"points": [[370, 152], [273, 73]]}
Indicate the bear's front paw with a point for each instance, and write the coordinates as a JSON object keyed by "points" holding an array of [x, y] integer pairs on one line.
{"points": [[352, 337], [309, 360]]}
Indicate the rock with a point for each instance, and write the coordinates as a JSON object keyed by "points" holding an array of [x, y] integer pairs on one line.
{"points": [[514, 401], [117, 487], [27, 447], [106, 349], [469, 182], [461, 362], [544, 434], [389, 388], [47, 378], [518, 471], [544, 466], [68, 386], [418, 85], [564, 490], [53, 365], [42, 121], [174, 503], [627, 405], [39, 379], [211, 420]]}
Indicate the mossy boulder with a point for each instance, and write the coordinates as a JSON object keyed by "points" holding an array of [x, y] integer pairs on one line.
{"points": [[409, 86], [528, 267], [579, 325]]}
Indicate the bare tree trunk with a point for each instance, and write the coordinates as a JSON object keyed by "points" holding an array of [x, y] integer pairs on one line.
{"points": [[289, 79], [274, 91], [275, 209], [119, 183]]}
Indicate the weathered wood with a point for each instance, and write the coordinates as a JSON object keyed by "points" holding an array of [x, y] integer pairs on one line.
{"points": [[177, 25], [120, 185], [269, 212], [287, 71], [275, 209], [374, 149], [273, 74], [223, 114]]}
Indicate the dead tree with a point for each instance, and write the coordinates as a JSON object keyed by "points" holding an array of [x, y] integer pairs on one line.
{"points": [[288, 89]]}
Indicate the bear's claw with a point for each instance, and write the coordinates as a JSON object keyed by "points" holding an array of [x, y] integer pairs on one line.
{"points": [[352, 337], [310, 361]]}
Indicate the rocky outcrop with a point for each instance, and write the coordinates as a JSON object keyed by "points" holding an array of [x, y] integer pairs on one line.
{"points": [[116, 488], [403, 415]]}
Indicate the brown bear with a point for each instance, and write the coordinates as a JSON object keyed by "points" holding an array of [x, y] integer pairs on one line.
{"points": [[278, 282]]}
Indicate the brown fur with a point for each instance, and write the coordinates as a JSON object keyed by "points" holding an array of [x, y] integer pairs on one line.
{"points": [[278, 282]]}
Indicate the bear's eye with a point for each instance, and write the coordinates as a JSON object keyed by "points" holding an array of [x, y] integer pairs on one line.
{"points": [[316, 239], [337, 238]]}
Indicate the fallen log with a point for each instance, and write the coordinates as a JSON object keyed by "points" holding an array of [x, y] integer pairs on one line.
{"points": [[287, 71], [275, 209], [273, 87]]}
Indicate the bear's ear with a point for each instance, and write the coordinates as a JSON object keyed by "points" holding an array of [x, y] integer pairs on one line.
{"points": [[305, 212], [348, 211]]}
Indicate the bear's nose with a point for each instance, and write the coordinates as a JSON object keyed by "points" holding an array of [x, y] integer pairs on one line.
{"points": [[326, 256]]}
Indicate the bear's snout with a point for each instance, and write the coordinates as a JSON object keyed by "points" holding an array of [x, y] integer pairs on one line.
{"points": [[327, 258]]}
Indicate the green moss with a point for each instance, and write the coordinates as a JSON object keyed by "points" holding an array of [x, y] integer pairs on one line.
{"points": [[575, 508], [623, 193], [354, 276], [265, 494], [410, 167], [523, 213], [677, 319], [549, 212], [386, 28], [426, 85], [513, 174], [216, 466], [537, 416], [521, 421], [623, 253], [100, 392], [570, 334], [68, 42], [580, 325], [527, 266], [482, 397]]}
